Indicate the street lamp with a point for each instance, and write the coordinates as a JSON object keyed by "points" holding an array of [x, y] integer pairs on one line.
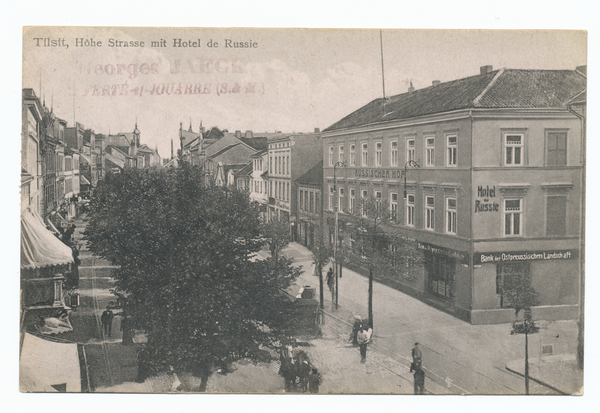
{"points": [[335, 237], [406, 165]]}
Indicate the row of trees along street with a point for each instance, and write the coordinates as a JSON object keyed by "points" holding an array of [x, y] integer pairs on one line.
{"points": [[188, 275]]}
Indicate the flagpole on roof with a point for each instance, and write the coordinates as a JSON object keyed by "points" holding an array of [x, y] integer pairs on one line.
{"points": [[382, 72]]}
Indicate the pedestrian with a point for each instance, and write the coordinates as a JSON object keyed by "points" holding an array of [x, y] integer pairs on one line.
{"points": [[358, 323], [314, 380], [107, 318], [303, 372], [330, 280], [285, 369], [127, 330], [362, 338], [419, 379], [416, 355]]}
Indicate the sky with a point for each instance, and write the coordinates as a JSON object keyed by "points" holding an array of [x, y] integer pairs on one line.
{"points": [[302, 78]]}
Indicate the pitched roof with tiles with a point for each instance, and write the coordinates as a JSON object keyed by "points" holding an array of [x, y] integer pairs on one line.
{"points": [[504, 88]]}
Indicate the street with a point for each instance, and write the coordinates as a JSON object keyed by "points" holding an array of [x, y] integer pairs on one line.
{"points": [[459, 358]]}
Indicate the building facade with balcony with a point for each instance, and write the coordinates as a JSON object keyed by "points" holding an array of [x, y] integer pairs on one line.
{"points": [[484, 175]]}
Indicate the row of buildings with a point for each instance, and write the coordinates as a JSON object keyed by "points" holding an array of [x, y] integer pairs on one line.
{"points": [[60, 167], [484, 175]]}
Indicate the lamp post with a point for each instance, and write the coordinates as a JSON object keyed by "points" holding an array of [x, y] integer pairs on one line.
{"points": [[335, 237], [406, 165]]}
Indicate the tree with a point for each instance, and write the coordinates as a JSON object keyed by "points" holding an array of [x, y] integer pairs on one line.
{"points": [[277, 236], [186, 274], [378, 245], [519, 294]]}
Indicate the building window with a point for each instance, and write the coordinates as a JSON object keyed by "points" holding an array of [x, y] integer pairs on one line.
{"points": [[556, 215], [288, 165], [341, 153], [509, 275], [452, 149], [301, 200], [429, 151], [287, 192], [410, 150], [513, 148], [512, 217], [365, 154], [378, 203], [378, 153], [393, 206], [331, 156], [312, 202], [556, 149], [394, 153], [352, 200], [451, 215], [364, 202], [429, 213], [341, 199], [352, 155], [410, 210]]}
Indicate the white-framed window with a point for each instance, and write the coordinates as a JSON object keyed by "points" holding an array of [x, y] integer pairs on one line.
{"points": [[451, 215], [352, 201], [340, 199], [331, 195], [556, 215], [352, 154], [410, 149], [331, 156], [288, 165], [452, 148], [341, 153], [429, 212], [378, 147], [301, 200], [410, 210], [429, 151], [394, 206], [513, 217], [363, 202], [394, 153], [513, 149], [365, 154]]}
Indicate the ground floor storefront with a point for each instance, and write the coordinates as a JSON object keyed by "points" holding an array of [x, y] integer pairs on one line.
{"points": [[441, 271]]}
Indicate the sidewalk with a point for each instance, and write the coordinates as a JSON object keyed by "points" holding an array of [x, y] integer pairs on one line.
{"points": [[559, 372], [460, 357]]}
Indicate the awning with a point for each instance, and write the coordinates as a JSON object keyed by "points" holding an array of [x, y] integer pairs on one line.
{"points": [[49, 366], [85, 159], [39, 247], [83, 180]]}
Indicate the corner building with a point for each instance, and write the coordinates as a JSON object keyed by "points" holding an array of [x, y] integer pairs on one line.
{"points": [[496, 190]]}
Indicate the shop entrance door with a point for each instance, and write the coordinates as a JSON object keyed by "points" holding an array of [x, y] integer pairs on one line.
{"points": [[440, 276]]}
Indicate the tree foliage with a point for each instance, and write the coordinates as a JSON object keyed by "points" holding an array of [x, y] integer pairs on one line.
{"points": [[186, 275], [277, 236]]}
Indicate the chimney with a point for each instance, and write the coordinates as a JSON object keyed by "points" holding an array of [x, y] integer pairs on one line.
{"points": [[249, 134], [411, 88], [582, 69], [486, 69], [238, 134], [317, 130], [435, 83]]}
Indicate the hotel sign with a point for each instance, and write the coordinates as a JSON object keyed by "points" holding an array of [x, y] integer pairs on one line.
{"points": [[378, 173], [485, 204], [501, 257]]}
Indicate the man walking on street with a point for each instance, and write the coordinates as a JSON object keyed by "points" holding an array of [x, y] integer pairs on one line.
{"points": [[107, 318], [363, 338], [416, 354]]}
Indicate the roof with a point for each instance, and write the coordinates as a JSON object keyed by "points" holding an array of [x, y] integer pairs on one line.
{"points": [[256, 142], [260, 153], [235, 168], [314, 176], [246, 170], [504, 88], [225, 149]]}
